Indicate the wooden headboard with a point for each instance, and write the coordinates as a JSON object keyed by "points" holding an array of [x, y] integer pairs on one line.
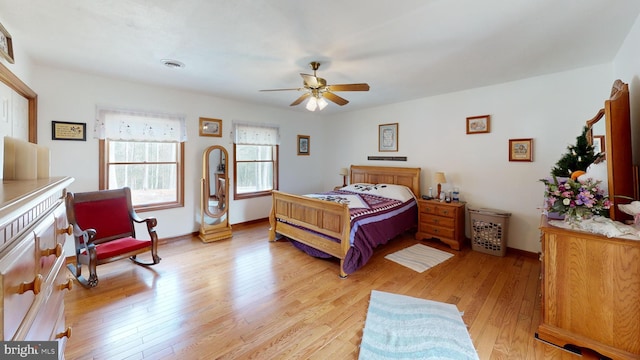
{"points": [[409, 177]]}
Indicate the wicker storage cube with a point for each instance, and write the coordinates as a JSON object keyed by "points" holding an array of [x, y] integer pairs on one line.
{"points": [[489, 228]]}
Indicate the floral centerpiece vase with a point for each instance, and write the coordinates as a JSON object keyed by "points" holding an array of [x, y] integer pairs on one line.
{"points": [[575, 199]]}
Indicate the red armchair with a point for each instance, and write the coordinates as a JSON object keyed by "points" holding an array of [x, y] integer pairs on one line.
{"points": [[103, 230]]}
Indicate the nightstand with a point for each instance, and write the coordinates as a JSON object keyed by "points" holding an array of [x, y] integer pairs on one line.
{"points": [[443, 221]]}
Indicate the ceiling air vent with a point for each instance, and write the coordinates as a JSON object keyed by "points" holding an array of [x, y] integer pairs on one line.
{"points": [[174, 64]]}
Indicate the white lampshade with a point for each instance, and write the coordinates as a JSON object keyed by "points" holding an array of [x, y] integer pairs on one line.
{"points": [[312, 104], [344, 171], [322, 103], [439, 178]]}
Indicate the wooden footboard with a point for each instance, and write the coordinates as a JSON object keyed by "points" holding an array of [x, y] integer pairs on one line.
{"points": [[295, 212]]}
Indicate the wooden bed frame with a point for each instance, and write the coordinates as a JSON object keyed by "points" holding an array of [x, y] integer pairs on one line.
{"points": [[330, 218]]}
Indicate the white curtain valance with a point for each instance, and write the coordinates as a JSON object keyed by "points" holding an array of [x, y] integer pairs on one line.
{"points": [[131, 125], [255, 134]]}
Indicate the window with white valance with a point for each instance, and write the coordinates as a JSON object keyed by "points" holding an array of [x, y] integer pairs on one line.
{"points": [[132, 125], [145, 152], [255, 159], [255, 134]]}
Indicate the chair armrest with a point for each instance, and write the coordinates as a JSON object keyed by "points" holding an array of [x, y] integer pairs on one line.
{"points": [[151, 221], [88, 235]]}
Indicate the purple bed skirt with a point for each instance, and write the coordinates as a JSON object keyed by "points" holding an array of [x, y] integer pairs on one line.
{"points": [[368, 234]]}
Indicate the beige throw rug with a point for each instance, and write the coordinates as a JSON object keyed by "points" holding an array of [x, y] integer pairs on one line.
{"points": [[419, 257]]}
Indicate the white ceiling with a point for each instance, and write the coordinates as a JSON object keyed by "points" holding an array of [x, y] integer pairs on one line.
{"points": [[404, 49]]}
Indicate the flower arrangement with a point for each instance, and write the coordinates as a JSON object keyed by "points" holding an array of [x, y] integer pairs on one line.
{"points": [[575, 199]]}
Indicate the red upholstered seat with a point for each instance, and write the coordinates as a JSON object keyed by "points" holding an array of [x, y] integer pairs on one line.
{"points": [[120, 246], [104, 231]]}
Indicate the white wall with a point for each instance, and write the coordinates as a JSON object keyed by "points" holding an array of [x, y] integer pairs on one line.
{"points": [[550, 109], [73, 96]]}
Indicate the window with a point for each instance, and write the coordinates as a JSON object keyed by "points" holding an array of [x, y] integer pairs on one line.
{"points": [[255, 160], [145, 152]]}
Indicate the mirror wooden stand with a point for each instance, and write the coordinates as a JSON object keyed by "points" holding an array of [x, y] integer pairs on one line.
{"points": [[214, 195]]}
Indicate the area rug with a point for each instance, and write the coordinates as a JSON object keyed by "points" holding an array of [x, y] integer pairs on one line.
{"points": [[419, 257], [404, 327]]}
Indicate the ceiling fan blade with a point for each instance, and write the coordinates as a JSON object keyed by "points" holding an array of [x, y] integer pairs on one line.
{"points": [[300, 99], [282, 89], [310, 80], [335, 98], [349, 87]]}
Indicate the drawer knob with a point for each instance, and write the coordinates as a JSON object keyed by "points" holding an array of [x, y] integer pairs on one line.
{"points": [[34, 286], [446, 212], [68, 285], [56, 250], [68, 230], [66, 333]]}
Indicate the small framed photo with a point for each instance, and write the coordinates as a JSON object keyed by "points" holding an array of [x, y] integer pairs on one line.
{"points": [[521, 150], [599, 145], [62, 130], [210, 127], [479, 124], [388, 137], [6, 45], [304, 144]]}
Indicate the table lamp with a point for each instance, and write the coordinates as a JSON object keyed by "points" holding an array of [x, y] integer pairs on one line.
{"points": [[439, 179], [344, 172]]}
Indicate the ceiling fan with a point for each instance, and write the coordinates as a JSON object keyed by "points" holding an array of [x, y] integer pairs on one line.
{"points": [[317, 90]]}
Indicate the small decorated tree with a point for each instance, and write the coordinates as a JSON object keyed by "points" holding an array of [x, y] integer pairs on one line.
{"points": [[578, 157]]}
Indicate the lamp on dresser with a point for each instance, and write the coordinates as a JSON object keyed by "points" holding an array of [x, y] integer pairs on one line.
{"points": [[439, 179]]}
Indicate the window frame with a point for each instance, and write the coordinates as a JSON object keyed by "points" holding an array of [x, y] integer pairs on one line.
{"points": [[104, 177], [255, 194]]}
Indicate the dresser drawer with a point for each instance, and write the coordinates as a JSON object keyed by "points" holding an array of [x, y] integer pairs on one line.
{"points": [[435, 209], [20, 285], [438, 221], [437, 231], [50, 238], [46, 322]]}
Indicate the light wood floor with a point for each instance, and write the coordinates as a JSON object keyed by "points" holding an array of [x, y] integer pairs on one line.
{"points": [[246, 298]]}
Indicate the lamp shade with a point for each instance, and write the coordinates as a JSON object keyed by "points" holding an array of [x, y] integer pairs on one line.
{"points": [[439, 178], [312, 104], [322, 103], [344, 171]]}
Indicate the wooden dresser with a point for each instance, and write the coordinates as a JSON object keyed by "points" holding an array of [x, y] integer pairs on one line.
{"points": [[33, 230], [441, 220], [590, 292]]}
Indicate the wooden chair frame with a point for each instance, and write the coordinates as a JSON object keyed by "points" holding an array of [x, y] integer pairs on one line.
{"points": [[92, 210]]}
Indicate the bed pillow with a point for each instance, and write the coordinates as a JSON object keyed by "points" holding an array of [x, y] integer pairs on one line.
{"points": [[391, 191]]}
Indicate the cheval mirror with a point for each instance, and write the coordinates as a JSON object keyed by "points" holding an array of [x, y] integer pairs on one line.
{"points": [[214, 199]]}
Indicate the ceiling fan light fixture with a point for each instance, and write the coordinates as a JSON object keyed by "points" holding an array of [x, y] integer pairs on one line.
{"points": [[312, 104], [322, 103]]}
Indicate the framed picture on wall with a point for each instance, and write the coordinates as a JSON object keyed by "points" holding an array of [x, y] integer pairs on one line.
{"points": [[388, 137], [521, 150], [478, 124], [304, 144], [599, 145], [62, 130], [210, 127], [6, 45]]}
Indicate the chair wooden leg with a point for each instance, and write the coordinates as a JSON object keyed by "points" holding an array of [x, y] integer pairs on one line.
{"points": [[76, 270]]}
